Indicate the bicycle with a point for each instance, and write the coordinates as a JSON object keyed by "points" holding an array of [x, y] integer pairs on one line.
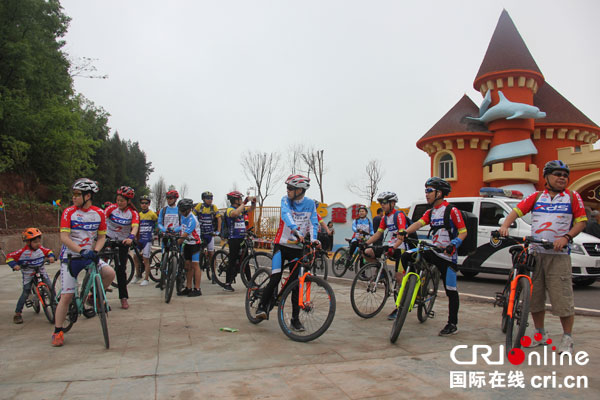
{"points": [[92, 284], [172, 266], [342, 261], [316, 299], [419, 285], [41, 295], [251, 261], [320, 263], [110, 252], [516, 295]]}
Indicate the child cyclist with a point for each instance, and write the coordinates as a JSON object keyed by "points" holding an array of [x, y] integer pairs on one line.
{"points": [[123, 222], [190, 231], [83, 233], [168, 221], [207, 212], [32, 255], [148, 220], [362, 228]]}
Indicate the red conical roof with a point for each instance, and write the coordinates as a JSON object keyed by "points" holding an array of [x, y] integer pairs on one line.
{"points": [[506, 51], [455, 121], [558, 109]]}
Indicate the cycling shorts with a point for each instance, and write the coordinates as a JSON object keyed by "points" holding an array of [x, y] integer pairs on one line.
{"points": [[145, 248], [191, 252], [68, 281], [209, 241]]}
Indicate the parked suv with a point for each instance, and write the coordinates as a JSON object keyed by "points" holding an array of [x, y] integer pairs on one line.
{"points": [[491, 211]]}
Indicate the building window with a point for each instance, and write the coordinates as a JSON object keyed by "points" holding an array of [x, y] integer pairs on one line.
{"points": [[446, 167]]}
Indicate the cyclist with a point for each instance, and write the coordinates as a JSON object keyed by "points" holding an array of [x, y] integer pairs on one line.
{"points": [[558, 216], [207, 212], [435, 191], [298, 217], [83, 233], [393, 221], [169, 220], [148, 220], [190, 231], [32, 255], [236, 227], [123, 223], [362, 228]]}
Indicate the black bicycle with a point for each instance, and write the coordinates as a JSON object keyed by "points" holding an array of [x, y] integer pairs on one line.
{"points": [[172, 266], [343, 261]]}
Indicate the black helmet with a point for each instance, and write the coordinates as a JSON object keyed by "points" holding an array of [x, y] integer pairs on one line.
{"points": [[439, 184], [206, 195], [184, 205], [555, 165]]}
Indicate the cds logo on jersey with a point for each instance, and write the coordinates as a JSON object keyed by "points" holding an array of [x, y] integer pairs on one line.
{"points": [[120, 221], [553, 208], [85, 226]]}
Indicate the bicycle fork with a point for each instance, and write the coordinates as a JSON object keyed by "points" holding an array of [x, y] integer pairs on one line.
{"points": [[414, 294], [301, 301], [513, 288]]}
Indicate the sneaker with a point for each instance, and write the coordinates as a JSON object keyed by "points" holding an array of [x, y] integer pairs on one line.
{"points": [[124, 304], [228, 288], [449, 329], [136, 279], [541, 342], [58, 339], [297, 325], [566, 345], [261, 313], [184, 292], [195, 293], [18, 319], [392, 315], [144, 282]]}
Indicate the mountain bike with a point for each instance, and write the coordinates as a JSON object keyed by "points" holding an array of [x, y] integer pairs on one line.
{"points": [[319, 267], [251, 261], [110, 252], [316, 299], [41, 296], [419, 285], [155, 264], [172, 266], [92, 284], [343, 261], [516, 296]]}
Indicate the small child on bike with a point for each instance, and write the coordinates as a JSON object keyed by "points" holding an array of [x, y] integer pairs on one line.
{"points": [[362, 228], [32, 255]]}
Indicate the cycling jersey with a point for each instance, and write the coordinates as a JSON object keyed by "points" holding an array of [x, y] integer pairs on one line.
{"points": [[361, 224], [435, 217], [191, 226], [552, 217], [120, 222], [147, 223], [206, 214], [394, 222], [235, 225], [83, 226], [296, 215], [168, 218], [27, 257]]}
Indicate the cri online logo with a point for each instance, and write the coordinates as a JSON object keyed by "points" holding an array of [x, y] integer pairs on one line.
{"points": [[517, 356]]}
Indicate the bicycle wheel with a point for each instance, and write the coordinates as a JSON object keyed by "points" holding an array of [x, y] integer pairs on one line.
{"points": [[129, 270], [101, 309], [411, 284], [205, 265], [316, 314], [320, 265], [181, 276], [520, 315], [56, 284], [505, 297], [47, 303], [36, 300], [258, 283], [252, 263], [428, 294], [338, 263], [369, 293], [172, 265], [155, 259], [219, 265]]}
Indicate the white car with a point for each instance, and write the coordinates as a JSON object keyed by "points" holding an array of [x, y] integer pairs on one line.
{"points": [[491, 211]]}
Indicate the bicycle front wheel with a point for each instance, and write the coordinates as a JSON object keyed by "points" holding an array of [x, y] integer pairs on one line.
{"points": [[155, 259], [36, 301], [518, 323], [314, 316], [172, 264], [254, 294], [220, 263], [505, 297], [47, 303], [411, 284], [369, 293], [428, 294], [181, 276], [339, 261], [101, 309], [129, 270], [252, 263]]}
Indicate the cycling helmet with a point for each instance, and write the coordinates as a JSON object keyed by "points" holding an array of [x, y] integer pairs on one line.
{"points": [[31, 233], [185, 205], [555, 165], [126, 192], [439, 184], [85, 185], [145, 198], [362, 207], [207, 195], [387, 196], [298, 181], [173, 193], [234, 195]]}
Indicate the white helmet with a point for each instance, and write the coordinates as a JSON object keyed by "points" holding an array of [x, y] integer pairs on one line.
{"points": [[298, 181], [387, 196], [86, 185]]}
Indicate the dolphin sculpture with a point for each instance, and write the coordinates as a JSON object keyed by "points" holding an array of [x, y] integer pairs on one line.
{"points": [[505, 109]]}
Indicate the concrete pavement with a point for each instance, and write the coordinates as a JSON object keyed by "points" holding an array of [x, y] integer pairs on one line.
{"points": [[176, 351]]}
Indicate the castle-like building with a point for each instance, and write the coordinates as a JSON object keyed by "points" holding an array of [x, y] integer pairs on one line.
{"points": [[522, 123]]}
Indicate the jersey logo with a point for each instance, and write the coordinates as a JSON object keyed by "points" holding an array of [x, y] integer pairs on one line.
{"points": [[119, 220], [545, 228], [90, 226], [553, 208]]}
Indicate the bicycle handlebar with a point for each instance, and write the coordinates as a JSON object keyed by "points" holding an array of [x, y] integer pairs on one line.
{"points": [[546, 244]]}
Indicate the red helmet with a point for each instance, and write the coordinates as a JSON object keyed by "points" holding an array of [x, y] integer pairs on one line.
{"points": [[298, 181], [234, 195], [173, 193], [126, 192], [31, 233]]}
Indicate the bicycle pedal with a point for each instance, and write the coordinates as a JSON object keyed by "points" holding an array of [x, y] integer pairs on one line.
{"points": [[431, 314], [29, 303]]}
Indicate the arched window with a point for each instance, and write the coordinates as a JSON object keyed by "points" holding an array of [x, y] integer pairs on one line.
{"points": [[446, 167]]}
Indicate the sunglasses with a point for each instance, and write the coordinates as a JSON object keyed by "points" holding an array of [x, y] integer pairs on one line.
{"points": [[429, 190], [208, 198], [290, 188], [144, 202], [383, 202], [171, 197], [560, 174]]}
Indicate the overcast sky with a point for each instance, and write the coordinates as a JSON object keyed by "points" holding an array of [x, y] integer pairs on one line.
{"points": [[198, 83]]}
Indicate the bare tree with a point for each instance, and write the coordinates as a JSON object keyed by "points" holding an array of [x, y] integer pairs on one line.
{"points": [[264, 171], [314, 164], [295, 159], [83, 67], [368, 190], [158, 192], [183, 189]]}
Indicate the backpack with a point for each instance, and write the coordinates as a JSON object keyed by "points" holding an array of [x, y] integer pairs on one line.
{"points": [[469, 244], [409, 223]]}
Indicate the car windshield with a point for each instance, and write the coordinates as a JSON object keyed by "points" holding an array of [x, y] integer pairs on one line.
{"points": [[526, 217]]}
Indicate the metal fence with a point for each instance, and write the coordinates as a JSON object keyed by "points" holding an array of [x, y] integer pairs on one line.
{"points": [[266, 222]]}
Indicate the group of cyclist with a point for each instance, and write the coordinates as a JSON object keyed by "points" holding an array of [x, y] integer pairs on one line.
{"points": [[85, 228]]}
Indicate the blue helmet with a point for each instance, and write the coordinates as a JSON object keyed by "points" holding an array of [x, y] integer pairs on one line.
{"points": [[555, 165]]}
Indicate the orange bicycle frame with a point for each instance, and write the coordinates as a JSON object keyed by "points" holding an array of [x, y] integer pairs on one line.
{"points": [[513, 288]]}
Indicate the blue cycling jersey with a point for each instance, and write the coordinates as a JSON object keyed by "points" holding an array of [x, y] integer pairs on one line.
{"points": [[300, 216], [168, 218]]}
